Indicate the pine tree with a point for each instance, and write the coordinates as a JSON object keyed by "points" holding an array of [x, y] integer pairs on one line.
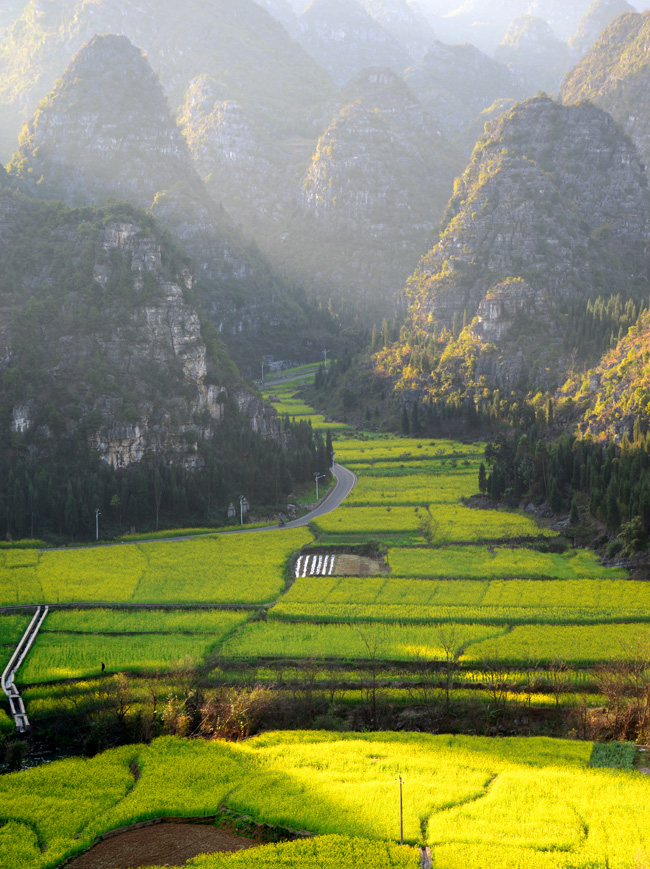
{"points": [[482, 479]]}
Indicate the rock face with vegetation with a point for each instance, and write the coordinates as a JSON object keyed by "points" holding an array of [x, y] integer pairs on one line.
{"points": [[615, 75], [613, 398], [239, 44], [563, 16], [374, 189], [531, 47], [345, 39], [103, 341], [106, 131], [599, 15], [456, 83], [406, 24], [552, 211]]}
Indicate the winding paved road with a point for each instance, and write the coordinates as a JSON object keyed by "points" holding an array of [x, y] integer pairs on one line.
{"points": [[345, 482]]}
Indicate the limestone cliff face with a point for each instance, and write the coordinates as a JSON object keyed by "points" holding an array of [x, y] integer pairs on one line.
{"points": [[599, 15], [237, 43], [345, 39], [563, 16], [405, 23], [456, 83], [375, 183], [104, 342], [245, 172], [613, 398], [552, 208], [615, 75], [349, 211], [106, 130], [531, 47]]}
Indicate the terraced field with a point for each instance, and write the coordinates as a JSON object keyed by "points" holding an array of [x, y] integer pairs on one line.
{"points": [[490, 596], [476, 802]]}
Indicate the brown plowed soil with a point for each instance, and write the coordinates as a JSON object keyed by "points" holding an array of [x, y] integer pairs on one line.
{"points": [[160, 845], [357, 565]]}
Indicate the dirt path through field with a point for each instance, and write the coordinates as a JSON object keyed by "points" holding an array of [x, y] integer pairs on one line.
{"points": [[161, 845]]}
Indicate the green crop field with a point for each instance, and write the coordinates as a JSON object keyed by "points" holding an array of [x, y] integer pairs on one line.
{"points": [[72, 645], [425, 489], [364, 641], [481, 562], [230, 568], [140, 621], [326, 852], [385, 448], [449, 523], [582, 601], [500, 803], [12, 627], [580, 645]]}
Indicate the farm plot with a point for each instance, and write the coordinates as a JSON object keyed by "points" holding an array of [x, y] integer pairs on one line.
{"points": [[326, 852], [482, 562], [386, 448], [333, 599], [150, 621], [11, 630], [424, 489], [135, 642], [579, 645], [237, 568], [359, 642], [445, 522], [477, 802], [229, 568]]}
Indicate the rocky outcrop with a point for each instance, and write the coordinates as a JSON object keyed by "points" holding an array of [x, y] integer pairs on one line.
{"points": [[456, 83], [106, 131], [104, 343], [537, 222], [563, 17], [405, 23], [345, 39], [615, 75], [377, 179], [599, 15], [613, 398], [239, 44], [353, 222], [531, 48], [481, 22], [250, 175]]}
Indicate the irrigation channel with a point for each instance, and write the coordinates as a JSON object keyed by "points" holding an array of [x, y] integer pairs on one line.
{"points": [[345, 482]]}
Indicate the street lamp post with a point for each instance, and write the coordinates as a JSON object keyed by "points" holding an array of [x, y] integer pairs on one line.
{"points": [[318, 477], [97, 515]]}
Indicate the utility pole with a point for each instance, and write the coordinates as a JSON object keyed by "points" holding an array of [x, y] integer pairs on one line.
{"points": [[262, 374], [318, 477], [97, 515], [401, 813]]}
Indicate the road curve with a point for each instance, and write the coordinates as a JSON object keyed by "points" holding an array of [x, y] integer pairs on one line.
{"points": [[345, 482]]}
